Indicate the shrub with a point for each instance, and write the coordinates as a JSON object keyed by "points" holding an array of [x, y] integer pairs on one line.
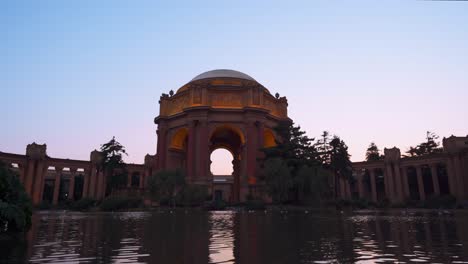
{"points": [[255, 205], [385, 203], [83, 204], [444, 201], [341, 203], [216, 205], [192, 195], [361, 203], [45, 205], [15, 205], [119, 203]]}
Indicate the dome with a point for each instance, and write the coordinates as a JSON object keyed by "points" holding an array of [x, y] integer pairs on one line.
{"points": [[222, 73]]}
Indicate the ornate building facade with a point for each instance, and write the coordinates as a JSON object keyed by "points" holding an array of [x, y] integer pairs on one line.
{"points": [[230, 110]]}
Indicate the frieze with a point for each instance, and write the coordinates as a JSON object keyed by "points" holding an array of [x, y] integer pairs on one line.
{"points": [[219, 99]]}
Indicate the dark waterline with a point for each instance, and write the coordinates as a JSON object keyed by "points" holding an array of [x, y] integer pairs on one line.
{"points": [[241, 237]]}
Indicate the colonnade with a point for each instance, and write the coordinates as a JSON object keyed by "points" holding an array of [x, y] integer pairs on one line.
{"points": [[36, 168], [445, 174]]}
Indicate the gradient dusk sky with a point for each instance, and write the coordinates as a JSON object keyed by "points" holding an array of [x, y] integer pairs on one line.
{"points": [[75, 73]]}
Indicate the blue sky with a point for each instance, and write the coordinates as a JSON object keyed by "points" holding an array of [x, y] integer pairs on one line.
{"points": [[74, 74]]}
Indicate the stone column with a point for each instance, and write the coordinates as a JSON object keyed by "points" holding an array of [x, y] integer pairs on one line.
{"points": [[100, 184], [360, 184], [161, 146], [422, 194], [435, 179], [141, 180], [86, 179], [191, 150], [390, 188], [235, 196], [452, 179], [129, 179], [459, 176], [203, 155], [28, 182], [373, 185], [342, 188], [347, 189], [58, 174], [71, 185], [92, 182], [251, 142], [405, 182], [39, 182], [22, 172], [398, 182]]}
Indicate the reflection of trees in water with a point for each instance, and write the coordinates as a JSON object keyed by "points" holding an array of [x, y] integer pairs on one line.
{"points": [[255, 237], [177, 237], [297, 238]]}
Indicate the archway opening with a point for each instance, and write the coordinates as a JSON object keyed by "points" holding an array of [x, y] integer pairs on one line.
{"points": [[226, 185], [221, 162]]}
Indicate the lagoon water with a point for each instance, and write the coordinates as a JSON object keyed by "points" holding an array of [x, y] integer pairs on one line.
{"points": [[242, 237]]}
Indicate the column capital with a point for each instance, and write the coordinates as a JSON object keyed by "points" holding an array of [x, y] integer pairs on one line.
{"points": [[58, 169], [73, 170]]}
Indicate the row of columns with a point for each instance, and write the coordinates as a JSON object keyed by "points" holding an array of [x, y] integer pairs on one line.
{"points": [[396, 182], [142, 178], [34, 173]]}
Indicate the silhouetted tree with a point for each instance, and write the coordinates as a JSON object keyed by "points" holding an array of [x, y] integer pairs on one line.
{"points": [[113, 164], [293, 147], [278, 179], [323, 148], [429, 147], [373, 153], [312, 184], [165, 185], [300, 161], [15, 205], [339, 160]]}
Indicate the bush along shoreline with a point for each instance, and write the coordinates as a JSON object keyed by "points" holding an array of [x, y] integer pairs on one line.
{"points": [[122, 203], [15, 205]]}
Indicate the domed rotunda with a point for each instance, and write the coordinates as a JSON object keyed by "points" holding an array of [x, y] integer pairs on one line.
{"points": [[219, 109]]}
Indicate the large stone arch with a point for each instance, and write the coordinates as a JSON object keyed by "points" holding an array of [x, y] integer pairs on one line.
{"points": [[231, 138]]}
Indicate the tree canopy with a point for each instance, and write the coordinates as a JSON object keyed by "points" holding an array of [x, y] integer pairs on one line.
{"points": [[113, 165], [165, 185], [296, 169], [430, 146], [373, 153], [293, 147], [15, 205], [278, 179]]}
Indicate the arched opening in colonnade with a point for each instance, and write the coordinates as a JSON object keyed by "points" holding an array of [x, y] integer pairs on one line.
{"points": [[231, 139], [221, 169]]}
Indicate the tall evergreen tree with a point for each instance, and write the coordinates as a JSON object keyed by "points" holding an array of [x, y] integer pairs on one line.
{"points": [[293, 147], [339, 160], [429, 147], [299, 157], [373, 153], [278, 179], [323, 148], [113, 164]]}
